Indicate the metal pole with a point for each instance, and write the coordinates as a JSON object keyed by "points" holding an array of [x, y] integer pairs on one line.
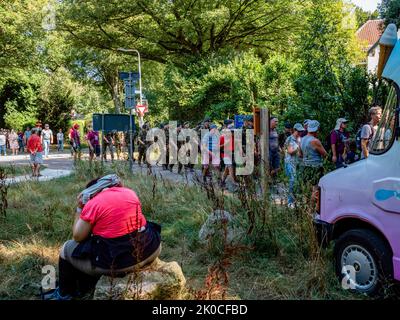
{"points": [[130, 133], [102, 138], [130, 141], [264, 120], [140, 86], [140, 77]]}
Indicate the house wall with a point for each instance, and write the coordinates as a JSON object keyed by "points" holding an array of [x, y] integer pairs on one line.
{"points": [[373, 60]]}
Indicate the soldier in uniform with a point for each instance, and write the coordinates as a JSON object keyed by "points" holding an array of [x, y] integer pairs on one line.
{"points": [[176, 148], [108, 143], [143, 144], [126, 145], [117, 143], [166, 146], [189, 166]]}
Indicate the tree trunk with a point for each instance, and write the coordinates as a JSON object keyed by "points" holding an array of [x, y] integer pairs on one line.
{"points": [[115, 96]]}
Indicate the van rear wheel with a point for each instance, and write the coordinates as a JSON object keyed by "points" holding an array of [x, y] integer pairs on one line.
{"points": [[363, 261]]}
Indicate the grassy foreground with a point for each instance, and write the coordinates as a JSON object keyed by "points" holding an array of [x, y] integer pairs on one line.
{"points": [[277, 261]]}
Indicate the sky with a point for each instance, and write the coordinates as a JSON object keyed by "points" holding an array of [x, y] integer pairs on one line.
{"points": [[367, 5]]}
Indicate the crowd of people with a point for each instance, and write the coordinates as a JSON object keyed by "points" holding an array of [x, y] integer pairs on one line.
{"points": [[13, 140], [298, 148], [305, 153], [35, 142], [17, 141]]}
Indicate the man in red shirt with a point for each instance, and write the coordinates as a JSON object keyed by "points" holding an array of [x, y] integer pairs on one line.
{"points": [[35, 150], [227, 144], [111, 236]]}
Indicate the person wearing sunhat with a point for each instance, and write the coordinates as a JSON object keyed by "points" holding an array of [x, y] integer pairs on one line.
{"points": [[305, 125], [286, 134], [312, 152], [292, 148], [338, 139]]}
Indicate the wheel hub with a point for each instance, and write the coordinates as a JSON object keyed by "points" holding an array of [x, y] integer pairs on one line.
{"points": [[364, 265]]}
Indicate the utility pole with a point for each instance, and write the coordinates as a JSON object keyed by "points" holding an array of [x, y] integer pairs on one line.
{"points": [[140, 78], [130, 110], [264, 141]]}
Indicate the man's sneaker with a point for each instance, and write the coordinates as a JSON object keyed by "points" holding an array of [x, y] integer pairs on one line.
{"points": [[291, 206], [55, 295]]}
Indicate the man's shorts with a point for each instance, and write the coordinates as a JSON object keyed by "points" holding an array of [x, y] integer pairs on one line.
{"points": [[37, 158]]}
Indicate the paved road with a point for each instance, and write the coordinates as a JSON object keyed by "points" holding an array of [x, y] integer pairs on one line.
{"points": [[61, 163], [56, 160]]}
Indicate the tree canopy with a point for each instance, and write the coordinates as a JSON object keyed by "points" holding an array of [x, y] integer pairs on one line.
{"points": [[390, 11], [218, 58], [182, 30]]}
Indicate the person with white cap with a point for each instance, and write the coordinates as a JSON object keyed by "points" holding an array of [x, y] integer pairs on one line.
{"points": [[369, 130], [312, 152], [292, 148], [305, 125], [338, 139]]}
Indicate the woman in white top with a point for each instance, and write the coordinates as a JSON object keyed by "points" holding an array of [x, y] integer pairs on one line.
{"points": [[13, 141]]}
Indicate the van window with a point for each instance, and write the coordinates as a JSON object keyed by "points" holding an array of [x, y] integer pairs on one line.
{"points": [[385, 133]]}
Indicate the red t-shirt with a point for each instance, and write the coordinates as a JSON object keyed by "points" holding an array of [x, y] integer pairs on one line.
{"points": [[34, 144], [113, 213], [74, 136], [229, 147]]}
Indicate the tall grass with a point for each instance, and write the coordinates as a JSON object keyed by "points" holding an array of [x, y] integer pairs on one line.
{"points": [[276, 255]]}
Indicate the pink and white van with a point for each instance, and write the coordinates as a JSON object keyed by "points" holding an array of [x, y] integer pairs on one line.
{"points": [[359, 207]]}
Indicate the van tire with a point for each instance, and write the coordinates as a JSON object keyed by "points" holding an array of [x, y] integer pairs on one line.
{"points": [[370, 257]]}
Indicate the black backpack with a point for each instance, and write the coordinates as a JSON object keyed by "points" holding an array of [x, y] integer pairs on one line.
{"points": [[358, 136]]}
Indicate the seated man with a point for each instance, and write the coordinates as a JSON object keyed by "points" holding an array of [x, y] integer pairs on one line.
{"points": [[111, 237]]}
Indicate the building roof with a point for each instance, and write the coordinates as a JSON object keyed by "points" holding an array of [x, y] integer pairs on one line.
{"points": [[370, 33]]}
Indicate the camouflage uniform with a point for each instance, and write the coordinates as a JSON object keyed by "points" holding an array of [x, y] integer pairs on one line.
{"points": [[166, 149], [117, 144], [178, 147], [143, 145], [108, 143]]}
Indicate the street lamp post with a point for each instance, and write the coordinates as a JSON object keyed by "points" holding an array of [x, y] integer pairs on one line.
{"points": [[130, 110], [140, 78]]}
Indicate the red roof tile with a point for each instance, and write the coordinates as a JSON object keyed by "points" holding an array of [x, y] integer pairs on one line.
{"points": [[370, 32]]}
